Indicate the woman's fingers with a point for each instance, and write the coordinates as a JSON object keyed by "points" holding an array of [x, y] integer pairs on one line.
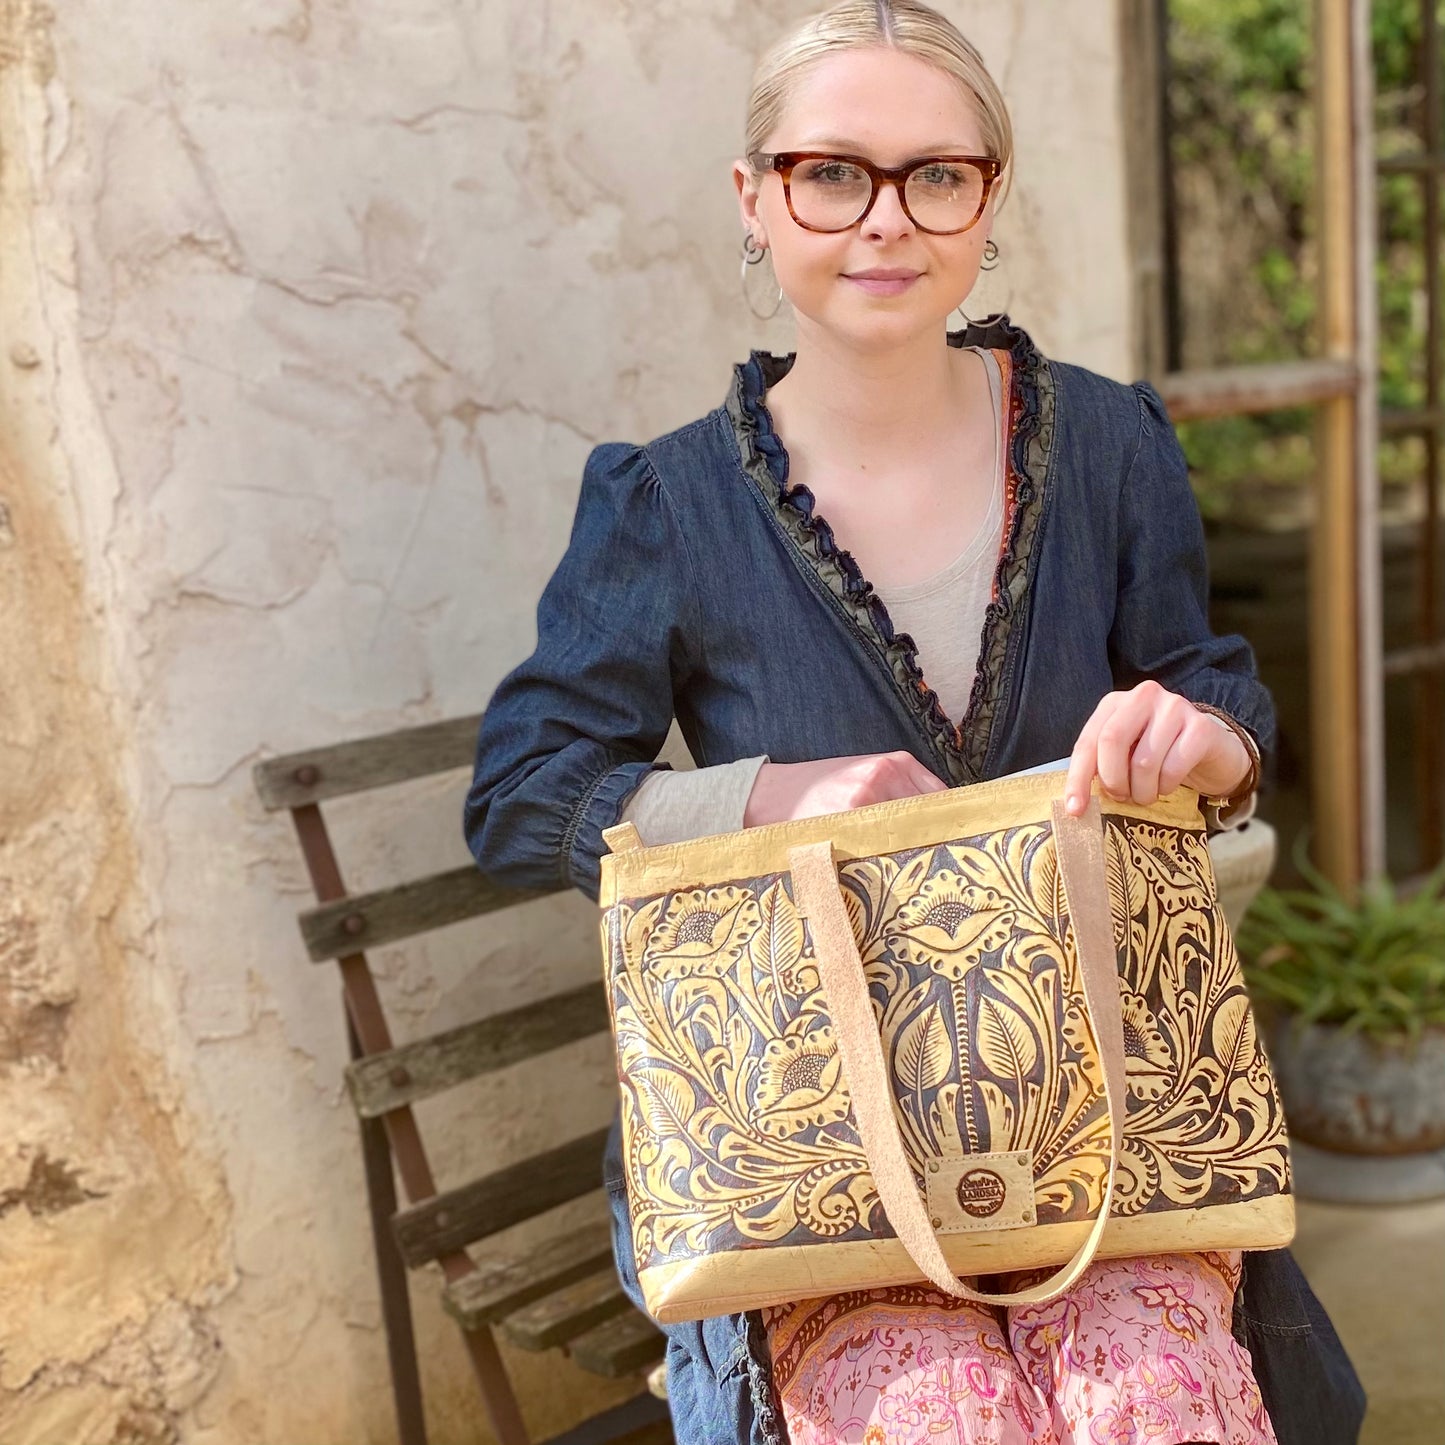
{"points": [[882, 778], [1121, 732], [1154, 747], [1188, 749], [782, 791], [1107, 743], [920, 778], [1140, 744], [1103, 748], [1084, 760]]}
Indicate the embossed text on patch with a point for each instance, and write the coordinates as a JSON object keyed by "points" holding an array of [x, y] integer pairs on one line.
{"points": [[981, 1191]]}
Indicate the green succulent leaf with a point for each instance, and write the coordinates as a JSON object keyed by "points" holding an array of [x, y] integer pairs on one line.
{"points": [[1374, 964]]}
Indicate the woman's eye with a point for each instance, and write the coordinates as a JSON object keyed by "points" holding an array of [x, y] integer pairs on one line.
{"points": [[835, 173], [939, 175]]}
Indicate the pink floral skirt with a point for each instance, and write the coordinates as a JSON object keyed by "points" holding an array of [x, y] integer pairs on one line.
{"points": [[1139, 1352]]}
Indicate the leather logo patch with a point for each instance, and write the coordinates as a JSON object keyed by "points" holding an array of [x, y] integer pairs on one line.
{"points": [[981, 1191]]}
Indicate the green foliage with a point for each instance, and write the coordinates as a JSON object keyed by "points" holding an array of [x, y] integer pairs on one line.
{"points": [[1231, 453], [1242, 117], [1374, 965]]}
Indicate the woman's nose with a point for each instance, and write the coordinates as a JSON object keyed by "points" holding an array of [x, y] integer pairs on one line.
{"points": [[887, 216]]}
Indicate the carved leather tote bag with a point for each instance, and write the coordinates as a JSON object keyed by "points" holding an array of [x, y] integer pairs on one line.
{"points": [[948, 1035]]}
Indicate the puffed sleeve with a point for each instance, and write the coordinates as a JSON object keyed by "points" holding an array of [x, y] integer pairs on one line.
{"points": [[1161, 619], [572, 731]]}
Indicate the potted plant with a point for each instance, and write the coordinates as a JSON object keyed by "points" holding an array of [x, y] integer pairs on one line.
{"points": [[1351, 993]]}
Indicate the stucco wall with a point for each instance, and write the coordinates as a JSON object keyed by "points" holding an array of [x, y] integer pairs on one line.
{"points": [[311, 310]]}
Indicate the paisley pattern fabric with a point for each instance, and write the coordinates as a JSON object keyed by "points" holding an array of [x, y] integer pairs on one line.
{"points": [[1138, 1351], [736, 1118]]}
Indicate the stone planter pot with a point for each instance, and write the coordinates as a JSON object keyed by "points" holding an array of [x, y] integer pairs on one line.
{"points": [[1355, 1095], [1243, 858]]}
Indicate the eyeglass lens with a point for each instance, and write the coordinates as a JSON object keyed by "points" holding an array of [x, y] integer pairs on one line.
{"points": [[832, 194]]}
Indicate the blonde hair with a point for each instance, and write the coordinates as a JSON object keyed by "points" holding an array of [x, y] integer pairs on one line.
{"points": [[906, 25]]}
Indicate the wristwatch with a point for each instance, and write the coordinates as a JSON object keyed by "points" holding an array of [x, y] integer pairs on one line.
{"points": [[1251, 748]]}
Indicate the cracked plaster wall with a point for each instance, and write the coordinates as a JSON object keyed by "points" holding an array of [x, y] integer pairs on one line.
{"points": [[311, 310]]}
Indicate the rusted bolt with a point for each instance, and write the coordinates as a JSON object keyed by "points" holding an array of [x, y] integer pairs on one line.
{"points": [[400, 1076], [308, 775], [938, 1223], [933, 1166], [353, 924]]}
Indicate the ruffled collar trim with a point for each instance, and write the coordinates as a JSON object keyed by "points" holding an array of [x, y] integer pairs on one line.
{"points": [[961, 748]]}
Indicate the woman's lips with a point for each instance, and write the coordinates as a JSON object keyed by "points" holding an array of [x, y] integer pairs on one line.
{"points": [[884, 285]]}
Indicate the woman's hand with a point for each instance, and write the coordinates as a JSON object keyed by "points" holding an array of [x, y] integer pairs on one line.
{"points": [[834, 785], [1146, 742]]}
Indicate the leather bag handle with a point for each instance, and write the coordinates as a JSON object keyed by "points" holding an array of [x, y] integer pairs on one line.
{"points": [[1079, 844]]}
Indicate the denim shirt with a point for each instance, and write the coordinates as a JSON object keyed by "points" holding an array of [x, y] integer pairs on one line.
{"points": [[698, 583]]}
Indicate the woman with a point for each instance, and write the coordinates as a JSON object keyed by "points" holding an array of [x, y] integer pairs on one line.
{"points": [[1011, 573]]}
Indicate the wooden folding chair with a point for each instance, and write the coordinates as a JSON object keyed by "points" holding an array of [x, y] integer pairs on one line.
{"points": [[563, 1295]]}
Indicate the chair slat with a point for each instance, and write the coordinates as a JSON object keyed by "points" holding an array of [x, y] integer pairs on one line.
{"points": [[642, 1420], [369, 920], [617, 1347], [381, 1082], [496, 1201], [503, 1286], [571, 1311], [331, 772]]}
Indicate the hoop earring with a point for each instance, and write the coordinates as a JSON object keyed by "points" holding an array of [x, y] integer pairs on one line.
{"points": [[753, 253], [989, 263], [974, 322]]}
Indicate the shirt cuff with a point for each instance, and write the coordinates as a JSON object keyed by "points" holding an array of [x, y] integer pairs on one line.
{"points": [[673, 807]]}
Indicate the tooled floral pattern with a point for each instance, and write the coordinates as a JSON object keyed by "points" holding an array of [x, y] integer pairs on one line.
{"points": [[737, 1123], [961, 747]]}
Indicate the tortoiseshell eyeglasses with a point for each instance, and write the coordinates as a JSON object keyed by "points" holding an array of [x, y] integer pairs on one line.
{"points": [[942, 195]]}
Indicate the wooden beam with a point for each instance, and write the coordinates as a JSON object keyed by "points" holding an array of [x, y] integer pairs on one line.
{"points": [[1427, 657], [1268, 386], [1411, 165], [1147, 177], [1412, 421], [1369, 559], [1338, 762]]}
